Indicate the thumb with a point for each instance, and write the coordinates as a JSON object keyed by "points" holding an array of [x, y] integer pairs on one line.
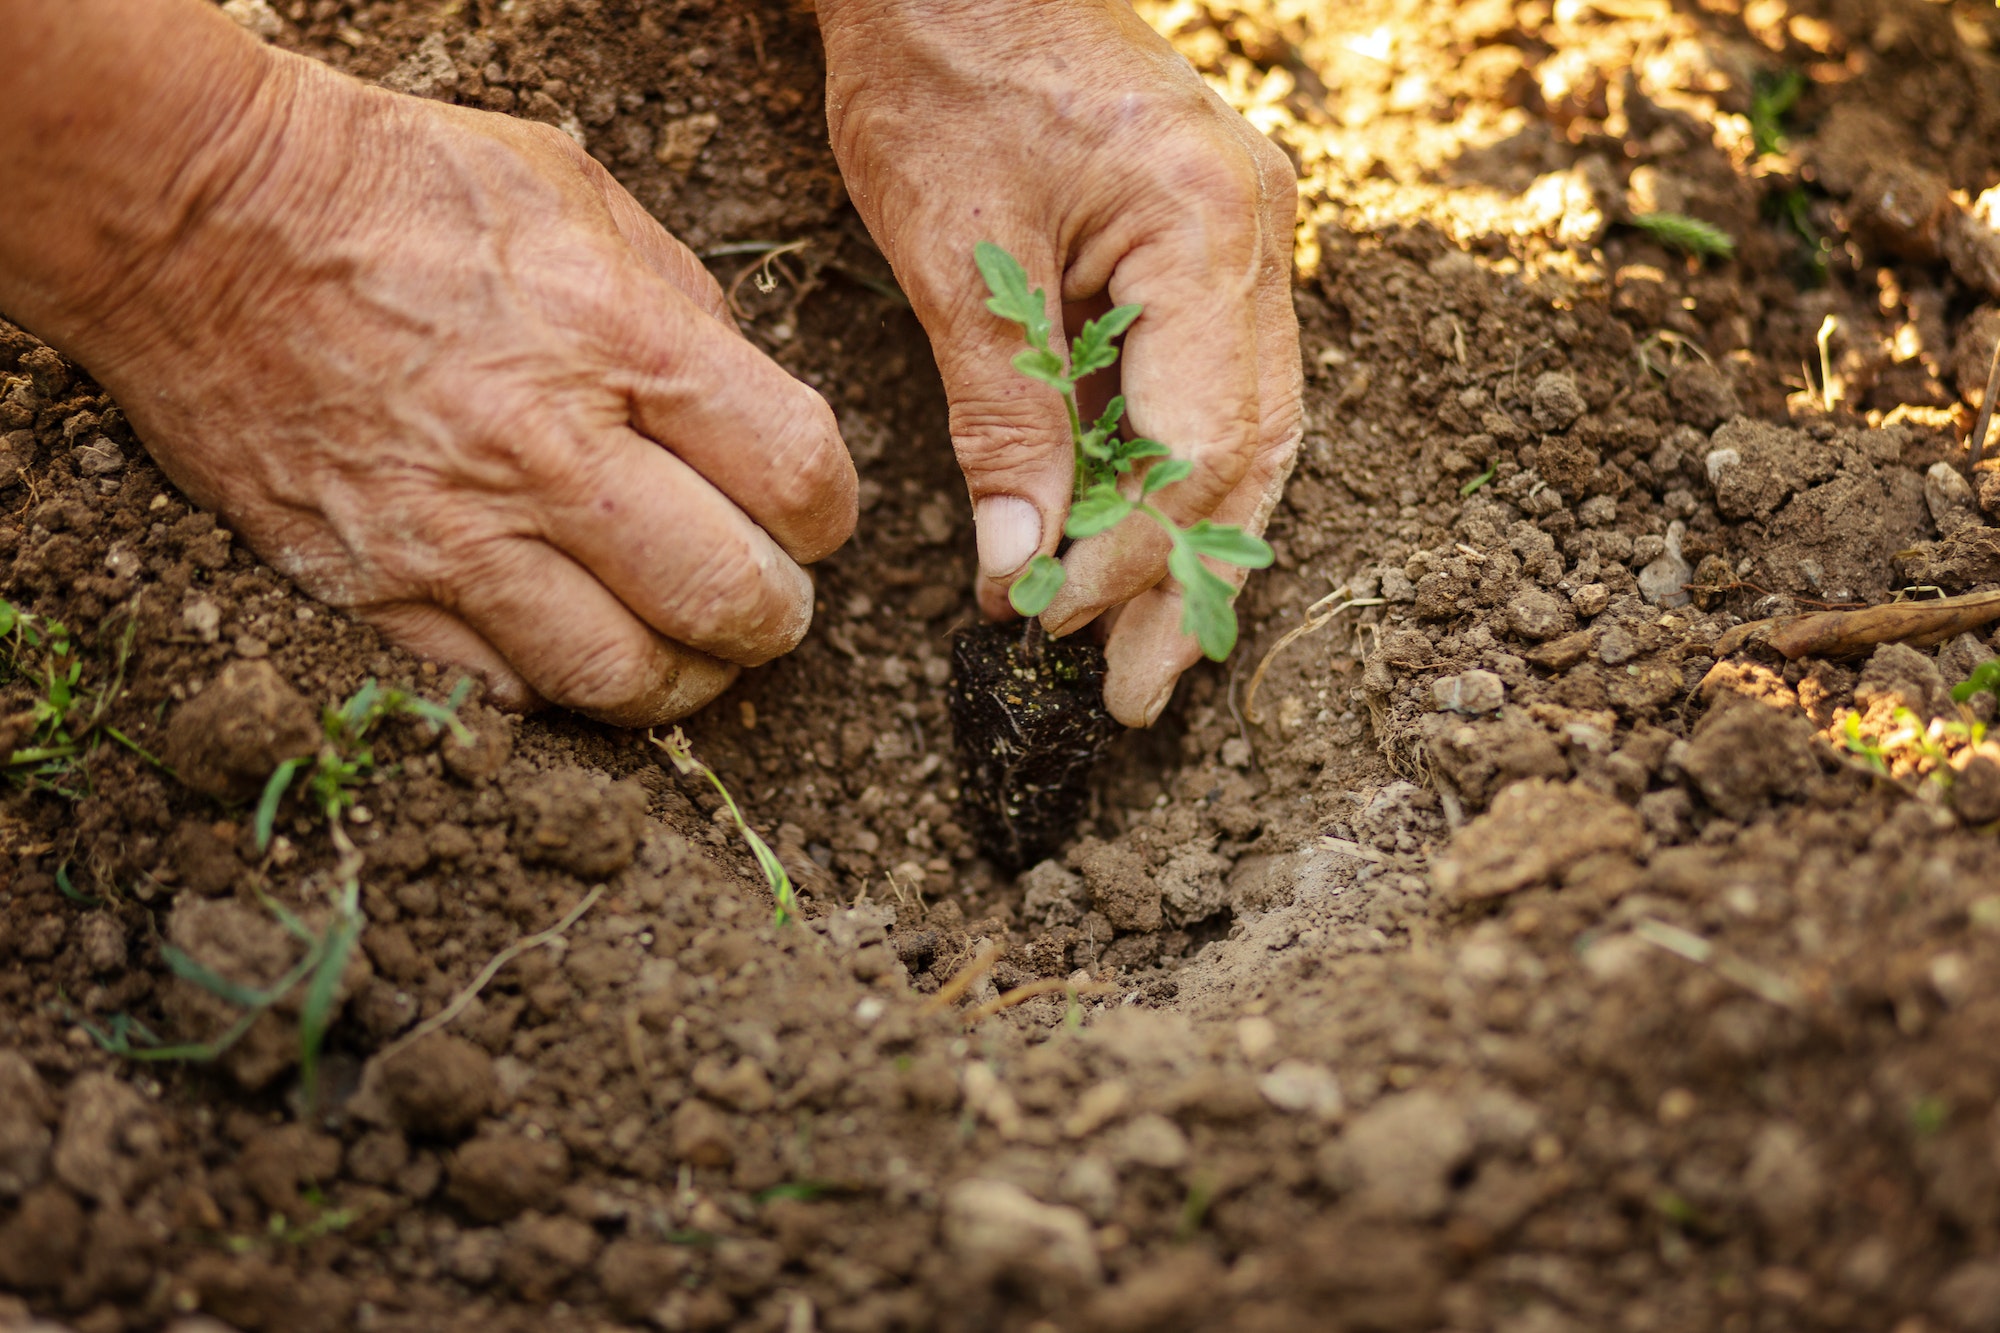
{"points": [[1011, 433]]}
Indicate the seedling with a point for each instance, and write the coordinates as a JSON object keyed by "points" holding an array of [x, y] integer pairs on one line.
{"points": [[1772, 97], [1913, 746], [1105, 458], [68, 715], [318, 969], [1985, 679], [1690, 236], [677, 749], [333, 776]]}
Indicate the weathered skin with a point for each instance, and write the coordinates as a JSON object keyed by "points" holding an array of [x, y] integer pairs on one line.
{"points": [[1073, 136], [437, 366]]}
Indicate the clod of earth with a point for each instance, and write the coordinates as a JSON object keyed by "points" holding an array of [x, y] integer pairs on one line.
{"points": [[1029, 721]]}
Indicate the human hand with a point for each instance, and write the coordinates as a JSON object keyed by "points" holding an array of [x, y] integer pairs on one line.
{"points": [[1074, 137], [438, 367]]}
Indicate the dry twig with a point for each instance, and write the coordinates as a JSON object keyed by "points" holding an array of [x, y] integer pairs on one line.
{"points": [[963, 980], [1851, 633], [491, 970], [1034, 990], [1318, 616]]}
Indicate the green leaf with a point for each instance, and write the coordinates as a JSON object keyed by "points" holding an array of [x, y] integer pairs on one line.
{"points": [[193, 970], [1099, 509], [69, 891], [316, 1011], [1107, 424], [1127, 452], [1166, 474], [1037, 586], [267, 804], [1093, 349], [1473, 486], [8, 616], [1985, 677], [1011, 299], [1205, 609], [1038, 363], [1688, 235], [1229, 544]]}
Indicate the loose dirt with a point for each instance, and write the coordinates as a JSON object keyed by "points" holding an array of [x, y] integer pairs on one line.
{"points": [[1516, 961]]}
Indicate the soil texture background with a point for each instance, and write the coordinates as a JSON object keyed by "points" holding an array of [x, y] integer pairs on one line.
{"points": [[1519, 952]]}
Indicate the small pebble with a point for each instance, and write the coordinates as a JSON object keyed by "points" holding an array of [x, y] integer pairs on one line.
{"points": [[1470, 692]]}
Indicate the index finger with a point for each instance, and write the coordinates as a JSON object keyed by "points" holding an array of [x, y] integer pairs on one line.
{"points": [[1189, 370]]}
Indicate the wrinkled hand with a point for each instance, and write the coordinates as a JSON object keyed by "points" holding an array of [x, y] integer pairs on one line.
{"points": [[438, 367], [1071, 135]]}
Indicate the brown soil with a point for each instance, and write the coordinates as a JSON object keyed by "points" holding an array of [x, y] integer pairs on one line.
{"points": [[1638, 1002]]}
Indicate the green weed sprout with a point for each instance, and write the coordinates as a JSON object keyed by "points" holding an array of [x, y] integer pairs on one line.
{"points": [[318, 969], [1690, 236], [332, 777], [1985, 679], [682, 754], [1772, 97], [67, 716], [1104, 456], [334, 774]]}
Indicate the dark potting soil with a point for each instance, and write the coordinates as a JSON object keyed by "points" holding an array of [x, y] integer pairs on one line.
{"points": [[1028, 718]]}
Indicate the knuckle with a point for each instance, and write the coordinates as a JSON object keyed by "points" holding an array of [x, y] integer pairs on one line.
{"points": [[813, 482], [746, 608], [605, 674]]}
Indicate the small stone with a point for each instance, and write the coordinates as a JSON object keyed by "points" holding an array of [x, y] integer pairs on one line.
{"points": [[701, 1135], [1785, 1183], [1663, 581], [1303, 1088], [1949, 497], [1091, 1183], [1598, 511], [1054, 896], [1616, 646], [1469, 692], [999, 1230], [1097, 1107], [681, 141], [103, 942], [1537, 615], [203, 619], [1150, 1140]]}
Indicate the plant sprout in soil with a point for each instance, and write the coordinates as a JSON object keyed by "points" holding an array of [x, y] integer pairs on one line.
{"points": [[1107, 471]]}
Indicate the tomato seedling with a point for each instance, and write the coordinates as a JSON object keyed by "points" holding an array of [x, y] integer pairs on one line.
{"points": [[1105, 458]]}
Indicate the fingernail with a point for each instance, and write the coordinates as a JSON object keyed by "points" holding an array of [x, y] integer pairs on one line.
{"points": [[1159, 702], [1009, 532]]}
